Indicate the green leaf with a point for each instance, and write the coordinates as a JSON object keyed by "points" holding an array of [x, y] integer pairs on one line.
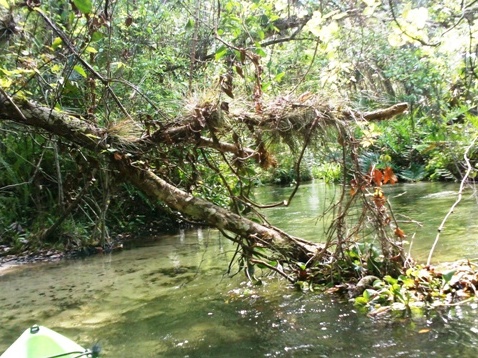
{"points": [[190, 24], [55, 68], [448, 275], [90, 49], [96, 36], [56, 42], [220, 53], [84, 6], [390, 280], [361, 301], [279, 76], [5, 82], [260, 52], [5, 71], [368, 294], [80, 70]]}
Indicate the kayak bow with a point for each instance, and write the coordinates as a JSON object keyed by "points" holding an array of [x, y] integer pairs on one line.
{"points": [[41, 342]]}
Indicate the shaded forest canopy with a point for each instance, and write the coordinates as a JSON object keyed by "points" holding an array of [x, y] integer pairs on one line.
{"points": [[114, 110]]}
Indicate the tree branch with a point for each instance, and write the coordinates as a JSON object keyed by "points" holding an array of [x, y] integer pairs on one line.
{"points": [[387, 113], [455, 204]]}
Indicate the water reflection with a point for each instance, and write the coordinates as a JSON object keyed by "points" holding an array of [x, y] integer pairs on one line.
{"points": [[171, 298], [419, 207]]}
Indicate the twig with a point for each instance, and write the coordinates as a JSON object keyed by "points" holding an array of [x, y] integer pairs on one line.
{"points": [[72, 49], [273, 268], [460, 193]]}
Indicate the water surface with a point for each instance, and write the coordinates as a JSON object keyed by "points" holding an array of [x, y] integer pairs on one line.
{"points": [[173, 297]]}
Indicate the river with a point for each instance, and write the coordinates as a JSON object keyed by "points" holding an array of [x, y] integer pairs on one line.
{"points": [[172, 297]]}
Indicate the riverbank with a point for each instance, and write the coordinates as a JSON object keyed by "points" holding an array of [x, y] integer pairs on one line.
{"points": [[48, 255], [10, 262]]}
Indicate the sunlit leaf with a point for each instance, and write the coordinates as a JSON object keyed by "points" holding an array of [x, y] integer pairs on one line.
{"points": [[261, 34], [5, 71], [4, 3], [84, 6], [371, 2], [90, 49], [279, 76], [368, 294], [220, 53], [396, 39], [118, 64], [56, 68], [56, 42], [314, 25], [190, 24], [78, 69], [340, 15], [389, 279], [361, 301], [5, 82], [418, 17], [369, 10]]}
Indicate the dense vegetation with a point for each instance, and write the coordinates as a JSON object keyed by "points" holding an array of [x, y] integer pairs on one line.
{"points": [[271, 83]]}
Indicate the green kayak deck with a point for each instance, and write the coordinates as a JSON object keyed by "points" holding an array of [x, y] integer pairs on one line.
{"points": [[42, 342]]}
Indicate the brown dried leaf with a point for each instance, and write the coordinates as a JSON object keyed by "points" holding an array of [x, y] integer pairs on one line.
{"points": [[400, 233], [389, 176], [377, 177], [128, 21]]}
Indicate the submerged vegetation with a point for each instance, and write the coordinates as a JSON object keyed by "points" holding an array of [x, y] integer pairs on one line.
{"points": [[126, 117]]}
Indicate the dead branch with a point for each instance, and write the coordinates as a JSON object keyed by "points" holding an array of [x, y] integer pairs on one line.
{"points": [[387, 113], [455, 204]]}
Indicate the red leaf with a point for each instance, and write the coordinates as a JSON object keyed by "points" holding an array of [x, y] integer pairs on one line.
{"points": [[399, 232], [377, 177], [389, 176]]}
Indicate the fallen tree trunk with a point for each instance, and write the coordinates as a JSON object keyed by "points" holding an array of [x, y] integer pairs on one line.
{"points": [[96, 139]]}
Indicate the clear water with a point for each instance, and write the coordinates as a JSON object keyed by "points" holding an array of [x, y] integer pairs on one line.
{"points": [[173, 298], [419, 207]]}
